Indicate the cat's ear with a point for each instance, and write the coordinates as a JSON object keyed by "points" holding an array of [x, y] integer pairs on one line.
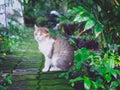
{"points": [[36, 27]]}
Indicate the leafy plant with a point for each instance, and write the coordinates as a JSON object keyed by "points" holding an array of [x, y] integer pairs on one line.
{"points": [[96, 71], [100, 16], [12, 37], [5, 81]]}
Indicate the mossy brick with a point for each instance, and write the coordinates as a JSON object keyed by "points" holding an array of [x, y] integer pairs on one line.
{"points": [[23, 88], [25, 71], [50, 82], [24, 77], [25, 83], [8, 63], [56, 87]]}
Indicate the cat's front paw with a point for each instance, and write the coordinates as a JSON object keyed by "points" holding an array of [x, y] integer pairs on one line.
{"points": [[55, 69], [45, 70]]}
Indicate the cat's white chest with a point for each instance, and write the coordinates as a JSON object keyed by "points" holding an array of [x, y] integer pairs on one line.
{"points": [[46, 46]]}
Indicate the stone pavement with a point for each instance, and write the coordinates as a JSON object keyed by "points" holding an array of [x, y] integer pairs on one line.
{"points": [[26, 64], [27, 74]]}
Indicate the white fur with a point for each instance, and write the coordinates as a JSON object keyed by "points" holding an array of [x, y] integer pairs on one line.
{"points": [[45, 46], [55, 69], [47, 64]]}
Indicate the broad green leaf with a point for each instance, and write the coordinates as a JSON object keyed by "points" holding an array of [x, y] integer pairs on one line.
{"points": [[75, 10], [77, 57], [118, 72], [90, 23], [9, 82], [81, 13], [87, 83], [82, 54], [8, 79], [80, 18], [114, 84], [114, 73], [102, 71], [108, 77], [98, 29], [95, 85], [117, 2], [84, 8], [72, 84], [112, 64]]}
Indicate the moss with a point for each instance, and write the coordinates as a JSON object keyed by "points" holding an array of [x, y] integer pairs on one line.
{"points": [[56, 87], [25, 83], [51, 81], [24, 77], [8, 63]]}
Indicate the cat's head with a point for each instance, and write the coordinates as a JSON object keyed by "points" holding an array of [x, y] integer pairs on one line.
{"points": [[41, 33]]}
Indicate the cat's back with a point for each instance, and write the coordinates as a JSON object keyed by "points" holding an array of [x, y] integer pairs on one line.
{"points": [[63, 54], [63, 47]]}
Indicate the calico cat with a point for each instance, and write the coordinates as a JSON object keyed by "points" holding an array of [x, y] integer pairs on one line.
{"points": [[58, 52]]}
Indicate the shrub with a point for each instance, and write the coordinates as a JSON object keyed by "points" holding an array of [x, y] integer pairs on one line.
{"points": [[96, 71], [5, 81]]}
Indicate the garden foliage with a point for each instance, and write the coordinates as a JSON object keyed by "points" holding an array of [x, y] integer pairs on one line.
{"points": [[97, 70]]}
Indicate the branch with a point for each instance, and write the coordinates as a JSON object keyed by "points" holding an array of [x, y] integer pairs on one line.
{"points": [[81, 33]]}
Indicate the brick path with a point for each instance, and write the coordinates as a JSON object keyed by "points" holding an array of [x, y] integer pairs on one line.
{"points": [[27, 75], [25, 66]]}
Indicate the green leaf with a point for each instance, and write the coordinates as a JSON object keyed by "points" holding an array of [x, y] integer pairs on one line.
{"points": [[72, 84], [3, 88], [82, 55], [62, 75], [100, 82], [114, 84], [9, 82], [76, 79], [90, 1], [108, 77], [98, 29], [95, 85], [90, 23], [112, 65], [84, 8], [8, 79], [77, 57], [87, 83], [71, 41], [80, 18], [118, 72], [114, 73]]}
